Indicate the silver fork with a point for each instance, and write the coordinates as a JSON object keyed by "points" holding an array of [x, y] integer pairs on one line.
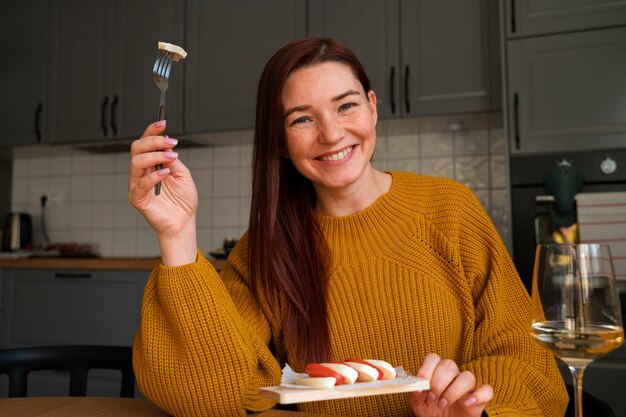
{"points": [[161, 74]]}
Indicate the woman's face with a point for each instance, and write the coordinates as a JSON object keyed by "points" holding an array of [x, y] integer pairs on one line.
{"points": [[330, 125]]}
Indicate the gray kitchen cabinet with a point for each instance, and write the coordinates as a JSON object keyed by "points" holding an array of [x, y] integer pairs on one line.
{"points": [[541, 17], [229, 43], [70, 307], [417, 64], [24, 46], [102, 54], [567, 91], [42, 307]]}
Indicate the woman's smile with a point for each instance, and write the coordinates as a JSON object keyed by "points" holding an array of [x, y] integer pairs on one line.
{"points": [[338, 156]]}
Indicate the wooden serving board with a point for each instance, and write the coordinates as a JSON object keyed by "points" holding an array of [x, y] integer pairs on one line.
{"points": [[290, 394]]}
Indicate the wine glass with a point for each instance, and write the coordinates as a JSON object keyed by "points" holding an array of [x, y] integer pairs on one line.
{"points": [[575, 306]]}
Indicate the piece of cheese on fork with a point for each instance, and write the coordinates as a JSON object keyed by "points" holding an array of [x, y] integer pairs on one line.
{"points": [[178, 53]]}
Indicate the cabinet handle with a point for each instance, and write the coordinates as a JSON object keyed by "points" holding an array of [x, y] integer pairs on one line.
{"points": [[103, 110], [392, 80], [81, 275], [38, 111], [516, 119], [407, 100], [513, 23], [113, 113]]}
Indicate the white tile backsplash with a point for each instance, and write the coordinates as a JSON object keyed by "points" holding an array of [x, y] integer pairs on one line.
{"points": [[226, 182], [19, 190], [103, 187], [472, 142], [204, 217], [88, 194], [103, 215], [82, 164], [225, 212], [473, 171], [226, 157], [203, 178], [403, 146], [104, 164], [20, 168], [81, 187], [198, 158], [60, 165], [37, 186], [438, 167], [436, 144], [38, 167]]}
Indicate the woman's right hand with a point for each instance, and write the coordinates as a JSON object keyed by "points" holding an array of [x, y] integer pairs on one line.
{"points": [[172, 214]]}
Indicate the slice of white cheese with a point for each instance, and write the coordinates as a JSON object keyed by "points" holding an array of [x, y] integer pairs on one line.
{"points": [[178, 53], [367, 373], [388, 371], [317, 382]]}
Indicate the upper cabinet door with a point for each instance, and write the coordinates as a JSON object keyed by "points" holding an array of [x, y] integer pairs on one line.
{"points": [[446, 56], [79, 107], [24, 45], [229, 43], [567, 92], [140, 25], [370, 29], [537, 17], [101, 74]]}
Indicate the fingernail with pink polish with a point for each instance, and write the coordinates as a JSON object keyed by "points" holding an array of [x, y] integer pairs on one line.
{"points": [[170, 141], [164, 171], [170, 155], [160, 123]]}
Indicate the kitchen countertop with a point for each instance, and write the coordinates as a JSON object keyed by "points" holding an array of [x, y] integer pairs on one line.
{"points": [[87, 263]]}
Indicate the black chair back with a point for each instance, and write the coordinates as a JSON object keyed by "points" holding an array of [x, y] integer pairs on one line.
{"points": [[17, 363]]}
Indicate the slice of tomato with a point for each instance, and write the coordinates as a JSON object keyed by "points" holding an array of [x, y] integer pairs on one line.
{"points": [[317, 370]]}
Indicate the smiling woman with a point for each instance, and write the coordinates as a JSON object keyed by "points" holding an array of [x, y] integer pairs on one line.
{"points": [[340, 261]]}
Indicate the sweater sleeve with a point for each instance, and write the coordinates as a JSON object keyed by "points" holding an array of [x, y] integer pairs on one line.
{"points": [[202, 344], [524, 375]]}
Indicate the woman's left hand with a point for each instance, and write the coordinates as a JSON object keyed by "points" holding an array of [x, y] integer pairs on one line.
{"points": [[452, 393]]}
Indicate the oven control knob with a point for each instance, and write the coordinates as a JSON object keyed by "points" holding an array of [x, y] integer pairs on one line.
{"points": [[608, 166]]}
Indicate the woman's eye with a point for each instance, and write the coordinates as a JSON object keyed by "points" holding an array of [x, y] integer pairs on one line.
{"points": [[347, 106], [300, 120]]}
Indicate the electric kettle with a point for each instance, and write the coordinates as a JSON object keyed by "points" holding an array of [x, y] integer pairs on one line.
{"points": [[18, 232]]}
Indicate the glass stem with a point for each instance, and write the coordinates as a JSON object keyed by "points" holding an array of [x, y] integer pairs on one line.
{"points": [[577, 375]]}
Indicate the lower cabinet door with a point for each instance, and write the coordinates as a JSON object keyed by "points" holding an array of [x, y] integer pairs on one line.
{"points": [[70, 307]]}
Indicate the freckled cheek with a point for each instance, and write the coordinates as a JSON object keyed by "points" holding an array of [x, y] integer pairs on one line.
{"points": [[299, 145]]}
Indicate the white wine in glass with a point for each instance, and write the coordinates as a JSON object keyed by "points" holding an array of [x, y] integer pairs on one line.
{"points": [[575, 306]]}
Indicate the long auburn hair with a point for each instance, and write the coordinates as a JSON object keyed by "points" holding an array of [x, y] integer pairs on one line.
{"points": [[287, 252]]}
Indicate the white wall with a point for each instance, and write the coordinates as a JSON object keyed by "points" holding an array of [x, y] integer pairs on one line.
{"points": [[87, 193]]}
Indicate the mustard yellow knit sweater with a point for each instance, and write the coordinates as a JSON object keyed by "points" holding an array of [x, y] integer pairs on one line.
{"points": [[421, 270]]}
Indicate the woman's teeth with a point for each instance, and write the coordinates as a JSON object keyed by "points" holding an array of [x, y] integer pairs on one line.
{"points": [[337, 156]]}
